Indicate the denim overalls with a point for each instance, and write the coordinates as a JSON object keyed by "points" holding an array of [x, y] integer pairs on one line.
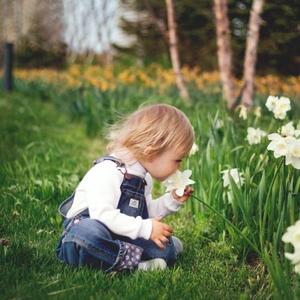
{"points": [[89, 242]]}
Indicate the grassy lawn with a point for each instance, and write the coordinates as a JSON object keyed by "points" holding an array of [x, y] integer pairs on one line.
{"points": [[43, 154]]}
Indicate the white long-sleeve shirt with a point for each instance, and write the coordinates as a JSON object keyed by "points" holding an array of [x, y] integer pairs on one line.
{"points": [[99, 191]]}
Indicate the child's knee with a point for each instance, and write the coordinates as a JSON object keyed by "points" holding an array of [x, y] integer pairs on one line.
{"points": [[83, 243], [89, 230], [151, 250], [68, 253]]}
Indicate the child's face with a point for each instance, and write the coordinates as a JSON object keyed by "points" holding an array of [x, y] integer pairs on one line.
{"points": [[164, 165]]}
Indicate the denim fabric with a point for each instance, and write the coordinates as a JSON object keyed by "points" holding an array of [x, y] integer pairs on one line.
{"points": [[132, 201], [89, 242]]}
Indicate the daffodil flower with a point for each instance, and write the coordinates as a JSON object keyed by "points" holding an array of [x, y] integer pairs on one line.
{"points": [[219, 124], [288, 129], [293, 155], [271, 102], [194, 149], [278, 145], [254, 136], [285, 146], [243, 112], [236, 176], [292, 235], [279, 106], [178, 181], [257, 111]]}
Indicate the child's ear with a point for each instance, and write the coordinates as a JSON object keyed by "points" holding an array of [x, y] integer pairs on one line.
{"points": [[148, 153]]}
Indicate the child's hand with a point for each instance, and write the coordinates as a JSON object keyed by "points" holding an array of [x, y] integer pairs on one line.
{"points": [[160, 233], [188, 191]]}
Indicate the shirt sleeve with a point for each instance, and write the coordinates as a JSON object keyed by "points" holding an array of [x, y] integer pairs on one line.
{"points": [[102, 192], [161, 206]]}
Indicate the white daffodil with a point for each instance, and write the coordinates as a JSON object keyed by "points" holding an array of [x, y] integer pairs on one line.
{"points": [[293, 155], [229, 196], [278, 145], [194, 149], [178, 181], [294, 161], [219, 124], [243, 112], [295, 148], [236, 176], [285, 103], [297, 269], [297, 131], [271, 101], [292, 235], [274, 136], [288, 129], [280, 109], [279, 106], [286, 146], [282, 105], [254, 136], [257, 111]]}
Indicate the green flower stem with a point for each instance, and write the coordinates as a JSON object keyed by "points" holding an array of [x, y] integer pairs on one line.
{"points": [[228, 222], [265, 213], [271, 125]]}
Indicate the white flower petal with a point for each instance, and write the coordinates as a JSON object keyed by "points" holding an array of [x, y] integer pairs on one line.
{"points": [[271, 101], [295, 162], [194, 149], [288, 129], [178, 181], [293, 257], [274, 136], [236, 176], [186, 174]]}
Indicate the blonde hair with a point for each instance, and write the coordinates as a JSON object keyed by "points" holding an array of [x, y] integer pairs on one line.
{"points": [[151, 130]]}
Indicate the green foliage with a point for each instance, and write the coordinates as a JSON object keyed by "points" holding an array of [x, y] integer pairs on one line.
{"points": [[44, 152], [260, 211]]}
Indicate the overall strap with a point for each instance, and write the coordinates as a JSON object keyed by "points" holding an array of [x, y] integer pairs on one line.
{"points": [[118, 162], [120, 165], [67, 203]]}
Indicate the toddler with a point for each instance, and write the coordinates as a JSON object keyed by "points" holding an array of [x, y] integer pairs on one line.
{"points": [[111, 221]]}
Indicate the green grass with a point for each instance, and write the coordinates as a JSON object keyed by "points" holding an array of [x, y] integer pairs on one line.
{"points": [[43, 153]]}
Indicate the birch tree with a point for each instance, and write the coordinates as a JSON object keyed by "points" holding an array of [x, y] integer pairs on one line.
{"points": [[224, 51], [251, 52], [173, 46], [89, 28]]}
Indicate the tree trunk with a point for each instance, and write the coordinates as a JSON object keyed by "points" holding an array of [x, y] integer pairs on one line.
{"points": [[159, 23], [224, 51], [251, 52], [174, 52]]}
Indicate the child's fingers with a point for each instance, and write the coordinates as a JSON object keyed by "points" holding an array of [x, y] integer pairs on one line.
{"points": [[188, 191], [188, 188], [164, 240], [159, 243], [168, 229], [167, 233]]}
